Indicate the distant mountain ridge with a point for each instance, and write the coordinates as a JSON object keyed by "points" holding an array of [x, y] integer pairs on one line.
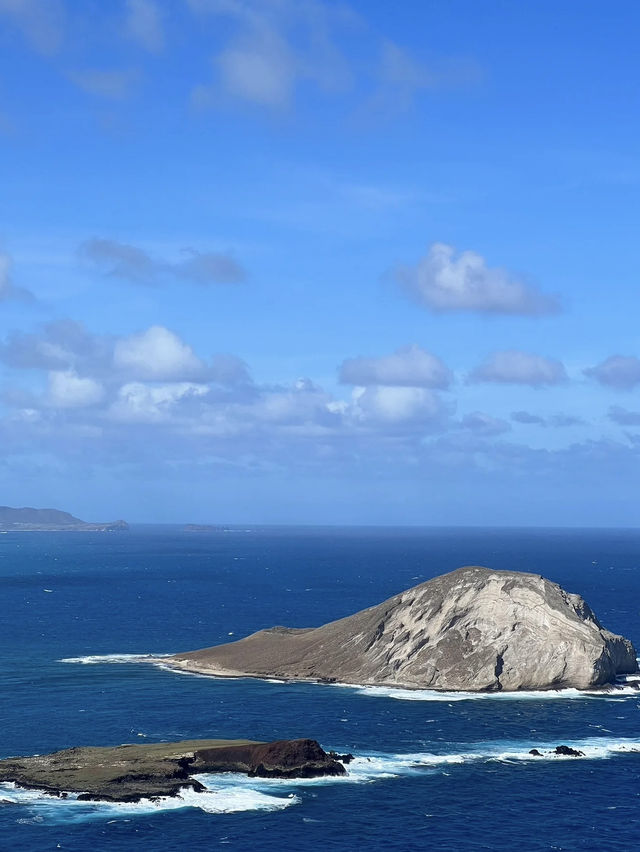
{"points": [[28, 519]]}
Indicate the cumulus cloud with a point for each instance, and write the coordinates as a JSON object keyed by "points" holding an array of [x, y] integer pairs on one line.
{"points": [[143, 24], [40, 21], [61, 344], [409, 366], [112, 84], [397, 405], [443, 281], [137, 402], [122, 260], [156, 353], [623, 416], [484, 424], [68, 390], [522, 368], [621, 372]]}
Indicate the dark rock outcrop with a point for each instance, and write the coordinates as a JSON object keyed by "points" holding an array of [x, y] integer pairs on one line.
{"points": [[473, 629], [567, 751], [129, 773]]}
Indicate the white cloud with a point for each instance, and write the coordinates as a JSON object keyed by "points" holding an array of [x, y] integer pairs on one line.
{"points": [[41, 21], [258, 69], [402, 77], [409, 366], [275, 47], [443, 282], [114, 85], [621, 372], [396, 405], [156, 353], [68, 390], [144, 24], [141, 403], [522, 368]]}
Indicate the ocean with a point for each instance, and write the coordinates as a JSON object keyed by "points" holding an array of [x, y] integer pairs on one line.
{"points": [[432, 770]]}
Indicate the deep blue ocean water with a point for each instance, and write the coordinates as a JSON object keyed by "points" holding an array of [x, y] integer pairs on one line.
{"points": [[445, 774]]}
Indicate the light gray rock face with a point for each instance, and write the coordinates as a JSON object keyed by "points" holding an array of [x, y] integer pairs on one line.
{"points": [[473, 629]]}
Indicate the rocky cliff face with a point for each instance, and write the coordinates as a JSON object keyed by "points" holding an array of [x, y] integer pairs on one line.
{"points": [[473, 629]]}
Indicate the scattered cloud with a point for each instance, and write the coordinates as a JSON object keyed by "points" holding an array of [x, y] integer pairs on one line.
{"points": [[402, 78], [131, 263], [114, 85], [623, 416], [522, 368], [68, 390], [144, 25], [527, 418], [275, 48], [560, 421], [557, 421], [443, 282], [621, 372], [156, 353], [61, 345], [40, 21], [409, 366], [8, 290], [484, 424], [137, 402], [397, 406]]}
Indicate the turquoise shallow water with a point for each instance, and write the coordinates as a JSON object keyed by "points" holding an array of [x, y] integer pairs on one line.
{"points": [[434, 771]]}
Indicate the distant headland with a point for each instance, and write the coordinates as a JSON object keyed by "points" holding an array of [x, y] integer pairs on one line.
{"points": [[51, 520]]}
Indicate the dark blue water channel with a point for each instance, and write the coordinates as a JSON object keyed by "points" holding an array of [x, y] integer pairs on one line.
{"points": [[441, 774]]}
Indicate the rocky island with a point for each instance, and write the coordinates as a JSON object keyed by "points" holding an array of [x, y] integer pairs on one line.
{"points": [[51, 520], [473, 629], [129, 773]]}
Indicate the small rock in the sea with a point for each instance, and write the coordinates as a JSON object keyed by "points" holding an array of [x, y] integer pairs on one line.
{"points": [[535, 752], [567, 751]]}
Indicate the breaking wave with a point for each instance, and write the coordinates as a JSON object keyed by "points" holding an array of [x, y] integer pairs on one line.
{"points": [[226, 799], [618, 691], [231, 793], [101, 659]]}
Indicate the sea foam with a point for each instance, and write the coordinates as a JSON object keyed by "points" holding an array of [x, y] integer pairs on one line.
{"points": [[620, 691], [233, 793], [221, 800], [102, 659]]}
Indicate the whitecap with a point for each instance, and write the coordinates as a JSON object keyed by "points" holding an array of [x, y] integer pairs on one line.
{"points": [[225, 800], [617, 692], [101, 659]]}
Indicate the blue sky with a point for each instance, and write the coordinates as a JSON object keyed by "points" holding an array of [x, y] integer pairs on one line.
{"points": [[292, 261]]}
